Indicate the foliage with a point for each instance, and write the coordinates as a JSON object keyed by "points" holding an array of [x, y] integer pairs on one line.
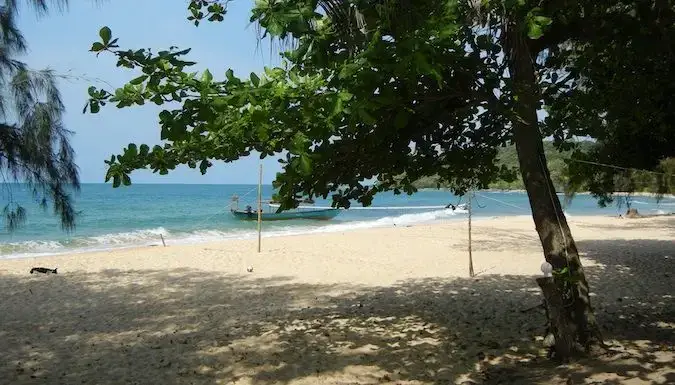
{"points": [[508, 158], [618, 89], [561, 163], [338, 105], [34, 144], [359, 84]]}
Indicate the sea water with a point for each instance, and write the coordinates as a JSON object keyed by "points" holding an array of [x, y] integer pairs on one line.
{"points": [[137, 215]]}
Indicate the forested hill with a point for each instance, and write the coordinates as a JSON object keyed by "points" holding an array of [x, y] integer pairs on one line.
{"points": [[509, 157]]}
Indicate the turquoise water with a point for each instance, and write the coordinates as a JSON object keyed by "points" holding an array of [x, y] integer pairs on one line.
{"points": [[137, 215]]}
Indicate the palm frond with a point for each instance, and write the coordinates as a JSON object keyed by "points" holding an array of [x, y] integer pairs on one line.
{"points": [[35, 146], [11, 39], [42, 7]]}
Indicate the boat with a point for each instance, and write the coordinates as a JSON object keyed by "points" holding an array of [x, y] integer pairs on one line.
{"points": [[250, 214], [318, 214]]}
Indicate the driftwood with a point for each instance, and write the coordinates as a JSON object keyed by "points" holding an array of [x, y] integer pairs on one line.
{"points": [[560, 334]]}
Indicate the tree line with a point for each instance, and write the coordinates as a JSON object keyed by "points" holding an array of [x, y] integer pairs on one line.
{"points": [[661, 180]]}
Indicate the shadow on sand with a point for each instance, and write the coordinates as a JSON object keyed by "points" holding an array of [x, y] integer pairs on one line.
{"points": [[195, 327]]}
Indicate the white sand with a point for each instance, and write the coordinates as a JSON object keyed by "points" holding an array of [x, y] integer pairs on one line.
{"points": [[379, 306]]}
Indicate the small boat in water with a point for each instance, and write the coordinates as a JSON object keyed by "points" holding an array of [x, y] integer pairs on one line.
{"points": [[318, 214]]}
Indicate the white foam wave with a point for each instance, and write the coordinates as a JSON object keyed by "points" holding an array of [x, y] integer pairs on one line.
{"points": [[151, 237], [125, 238], [662, 203], [37, 248], [401, 220]]}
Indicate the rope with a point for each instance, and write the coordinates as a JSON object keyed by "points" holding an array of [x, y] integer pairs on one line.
{"points": [[243, 196], [618, 167], [219, 212], [500, 201], [473, 197], [370, 208]]}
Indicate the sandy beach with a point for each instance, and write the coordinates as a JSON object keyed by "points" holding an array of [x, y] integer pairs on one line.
{"points": [[377, 306]]}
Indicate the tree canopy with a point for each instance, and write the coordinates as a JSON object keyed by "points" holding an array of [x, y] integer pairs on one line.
{"points": [[341, 100], [618, 89], [34, 144], [347, 107], [557, 162]]}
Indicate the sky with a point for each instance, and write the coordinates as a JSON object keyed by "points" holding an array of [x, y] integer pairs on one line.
{"points": [[61, 41]]}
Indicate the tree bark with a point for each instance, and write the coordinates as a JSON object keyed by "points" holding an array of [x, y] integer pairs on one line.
{"points": [[555, 235]]}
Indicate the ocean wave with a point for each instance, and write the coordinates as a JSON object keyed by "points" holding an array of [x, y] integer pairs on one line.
{"points": [[661, 203], [153, 236], [37, 248]]}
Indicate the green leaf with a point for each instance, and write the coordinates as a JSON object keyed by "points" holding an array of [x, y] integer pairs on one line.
{"points": [[305, 164], [422, 63], [543, 20], [207, 77], [337, 106], [105, 33], [97, 47], [298, 143], [274, 28], [138, 80], [367, 118], [535, 31], [401, 119], [255, 80], [203, 166], [126, 180], [132, 150], [144, 150], [117, 181], [229, 74], [94, 107], [536, 26]]}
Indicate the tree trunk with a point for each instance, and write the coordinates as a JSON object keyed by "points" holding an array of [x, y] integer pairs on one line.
{"points": [[559, 247]]}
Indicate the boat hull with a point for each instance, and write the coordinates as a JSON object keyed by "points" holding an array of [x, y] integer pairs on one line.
{"points": [[323, 214]]}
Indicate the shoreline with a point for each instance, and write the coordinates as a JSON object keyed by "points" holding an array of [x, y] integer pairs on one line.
{"points": [[125, 234], [251, 239], [285, 234], [272, 235]]}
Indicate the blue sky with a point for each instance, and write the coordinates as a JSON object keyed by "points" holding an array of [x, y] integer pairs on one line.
{"points": [[61, 41]]}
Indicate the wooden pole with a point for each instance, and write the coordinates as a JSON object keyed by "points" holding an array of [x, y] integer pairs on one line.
{"points": [[260, 209], [471, 274], [163, 243]]}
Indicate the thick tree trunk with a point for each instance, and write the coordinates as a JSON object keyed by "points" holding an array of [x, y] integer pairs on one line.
{"points": [[559, 247]]}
